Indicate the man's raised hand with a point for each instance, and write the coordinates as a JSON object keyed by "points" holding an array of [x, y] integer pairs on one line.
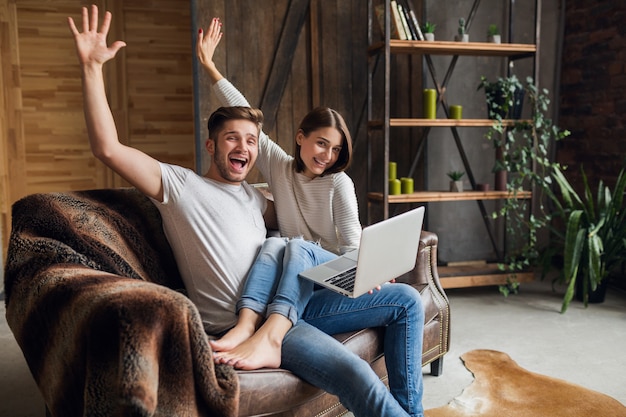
{"points": [[91, 44]]}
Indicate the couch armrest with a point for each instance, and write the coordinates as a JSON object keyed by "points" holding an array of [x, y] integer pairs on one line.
{"points": [[425, 269], [425, 278]]}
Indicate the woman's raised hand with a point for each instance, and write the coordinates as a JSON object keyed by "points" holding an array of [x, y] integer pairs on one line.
{"points": [[207, 43]]}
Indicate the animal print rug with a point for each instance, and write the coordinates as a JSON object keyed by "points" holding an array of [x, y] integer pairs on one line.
{"points": [[502, 388]]}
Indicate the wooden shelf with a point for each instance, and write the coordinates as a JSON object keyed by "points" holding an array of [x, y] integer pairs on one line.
{"points": [[511, 50], [380, 133], [478, 275], [437, 196], [378, 124]]}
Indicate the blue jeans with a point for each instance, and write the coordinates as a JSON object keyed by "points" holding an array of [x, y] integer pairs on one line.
{"points": [[273, 284], [311, 353]]}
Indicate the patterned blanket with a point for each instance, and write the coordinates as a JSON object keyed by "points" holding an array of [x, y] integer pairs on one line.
{"points": [[91, 299]]}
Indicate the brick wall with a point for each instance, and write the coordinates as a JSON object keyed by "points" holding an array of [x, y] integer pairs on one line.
{"points": [[593, 89]]}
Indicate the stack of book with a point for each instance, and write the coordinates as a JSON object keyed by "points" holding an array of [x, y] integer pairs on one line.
{"points": [[404, 24]]}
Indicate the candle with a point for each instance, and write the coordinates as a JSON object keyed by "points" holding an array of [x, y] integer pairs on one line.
{"points": [[456, 111], [394, 187], [406, 184], [393, 170], [430, 103]]}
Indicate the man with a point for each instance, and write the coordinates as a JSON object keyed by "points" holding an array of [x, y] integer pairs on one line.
{"points": [[215, 226]]}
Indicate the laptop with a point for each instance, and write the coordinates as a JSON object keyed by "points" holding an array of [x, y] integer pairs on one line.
{"points": [[387, 250]]}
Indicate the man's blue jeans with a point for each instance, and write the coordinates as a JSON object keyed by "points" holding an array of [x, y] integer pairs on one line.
{"points": [[311, 353]]}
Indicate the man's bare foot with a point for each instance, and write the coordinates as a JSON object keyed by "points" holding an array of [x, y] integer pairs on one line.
{"points": [[262, 350]]}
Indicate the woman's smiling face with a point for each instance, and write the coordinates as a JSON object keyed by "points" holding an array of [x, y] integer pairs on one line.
{"points": [[319, 150]]}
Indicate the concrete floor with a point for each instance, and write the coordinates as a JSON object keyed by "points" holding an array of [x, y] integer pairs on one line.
{"points": [[583, 346]]}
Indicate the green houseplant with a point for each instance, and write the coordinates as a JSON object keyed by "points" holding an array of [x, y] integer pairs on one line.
{"points": [[463, 35], [493, 33], [456, 185], [593, 242], [504, 98], [429, 31], [524, 149]]}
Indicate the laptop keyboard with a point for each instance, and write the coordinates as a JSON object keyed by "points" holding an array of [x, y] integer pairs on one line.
{"points": [[345, 280]]}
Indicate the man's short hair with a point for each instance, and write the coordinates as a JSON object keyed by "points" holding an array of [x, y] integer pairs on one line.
{"points": [[224, 114]]}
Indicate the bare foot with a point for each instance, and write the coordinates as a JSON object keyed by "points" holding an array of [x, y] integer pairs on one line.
{"points": [[233, 338], [262, 350], [246, 325]]}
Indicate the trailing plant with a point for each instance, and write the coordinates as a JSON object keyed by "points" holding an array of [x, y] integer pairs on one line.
{"points": [[504, 97], [526, 148], [593, 242]]}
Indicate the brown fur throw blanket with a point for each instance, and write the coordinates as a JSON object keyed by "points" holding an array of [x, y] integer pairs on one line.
{"points": [[91, 299]]}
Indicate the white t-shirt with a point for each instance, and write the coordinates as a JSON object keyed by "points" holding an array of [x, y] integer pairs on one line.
{"points": [[215, 231], [322, 209]]}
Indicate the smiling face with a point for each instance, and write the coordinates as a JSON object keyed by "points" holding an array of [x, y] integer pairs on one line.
{"points": [[323, 144], [234, 151], [319, 150]]}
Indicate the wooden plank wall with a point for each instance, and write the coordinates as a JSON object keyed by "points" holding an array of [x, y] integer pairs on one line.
{"points": [[151, 89], [11, 125], [150, 85]]}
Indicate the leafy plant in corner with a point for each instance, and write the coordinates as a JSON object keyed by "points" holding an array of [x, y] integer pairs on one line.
{"points": [[525, 146], [593, 242]]}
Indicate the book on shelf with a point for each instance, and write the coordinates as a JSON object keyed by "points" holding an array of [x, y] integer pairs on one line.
{"points": [[379, 10], [404, 16], [397, 17], [413, 20]]}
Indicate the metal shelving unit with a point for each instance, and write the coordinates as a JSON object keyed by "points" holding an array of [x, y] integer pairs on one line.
{"points": [[381, 52]]}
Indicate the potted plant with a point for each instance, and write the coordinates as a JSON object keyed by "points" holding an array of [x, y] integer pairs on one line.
{"points": [[593, 242], [456, 185], [493, 33], [505, 97], [525, 156], [463, 36], [429, 31]]}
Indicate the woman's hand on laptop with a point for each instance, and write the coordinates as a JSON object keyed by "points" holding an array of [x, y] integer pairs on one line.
{"points": [[379, 287]]}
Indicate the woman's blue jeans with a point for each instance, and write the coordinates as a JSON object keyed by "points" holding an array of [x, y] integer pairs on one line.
{"points": [[273, 284], [311, 353]]}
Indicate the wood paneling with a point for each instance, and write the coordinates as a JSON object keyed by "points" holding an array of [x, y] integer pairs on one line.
{"points": [[12, 146], [149, 84], [159, 79]]}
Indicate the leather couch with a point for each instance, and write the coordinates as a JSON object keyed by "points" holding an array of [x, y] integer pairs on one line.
{"points": [[65, 246]]}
